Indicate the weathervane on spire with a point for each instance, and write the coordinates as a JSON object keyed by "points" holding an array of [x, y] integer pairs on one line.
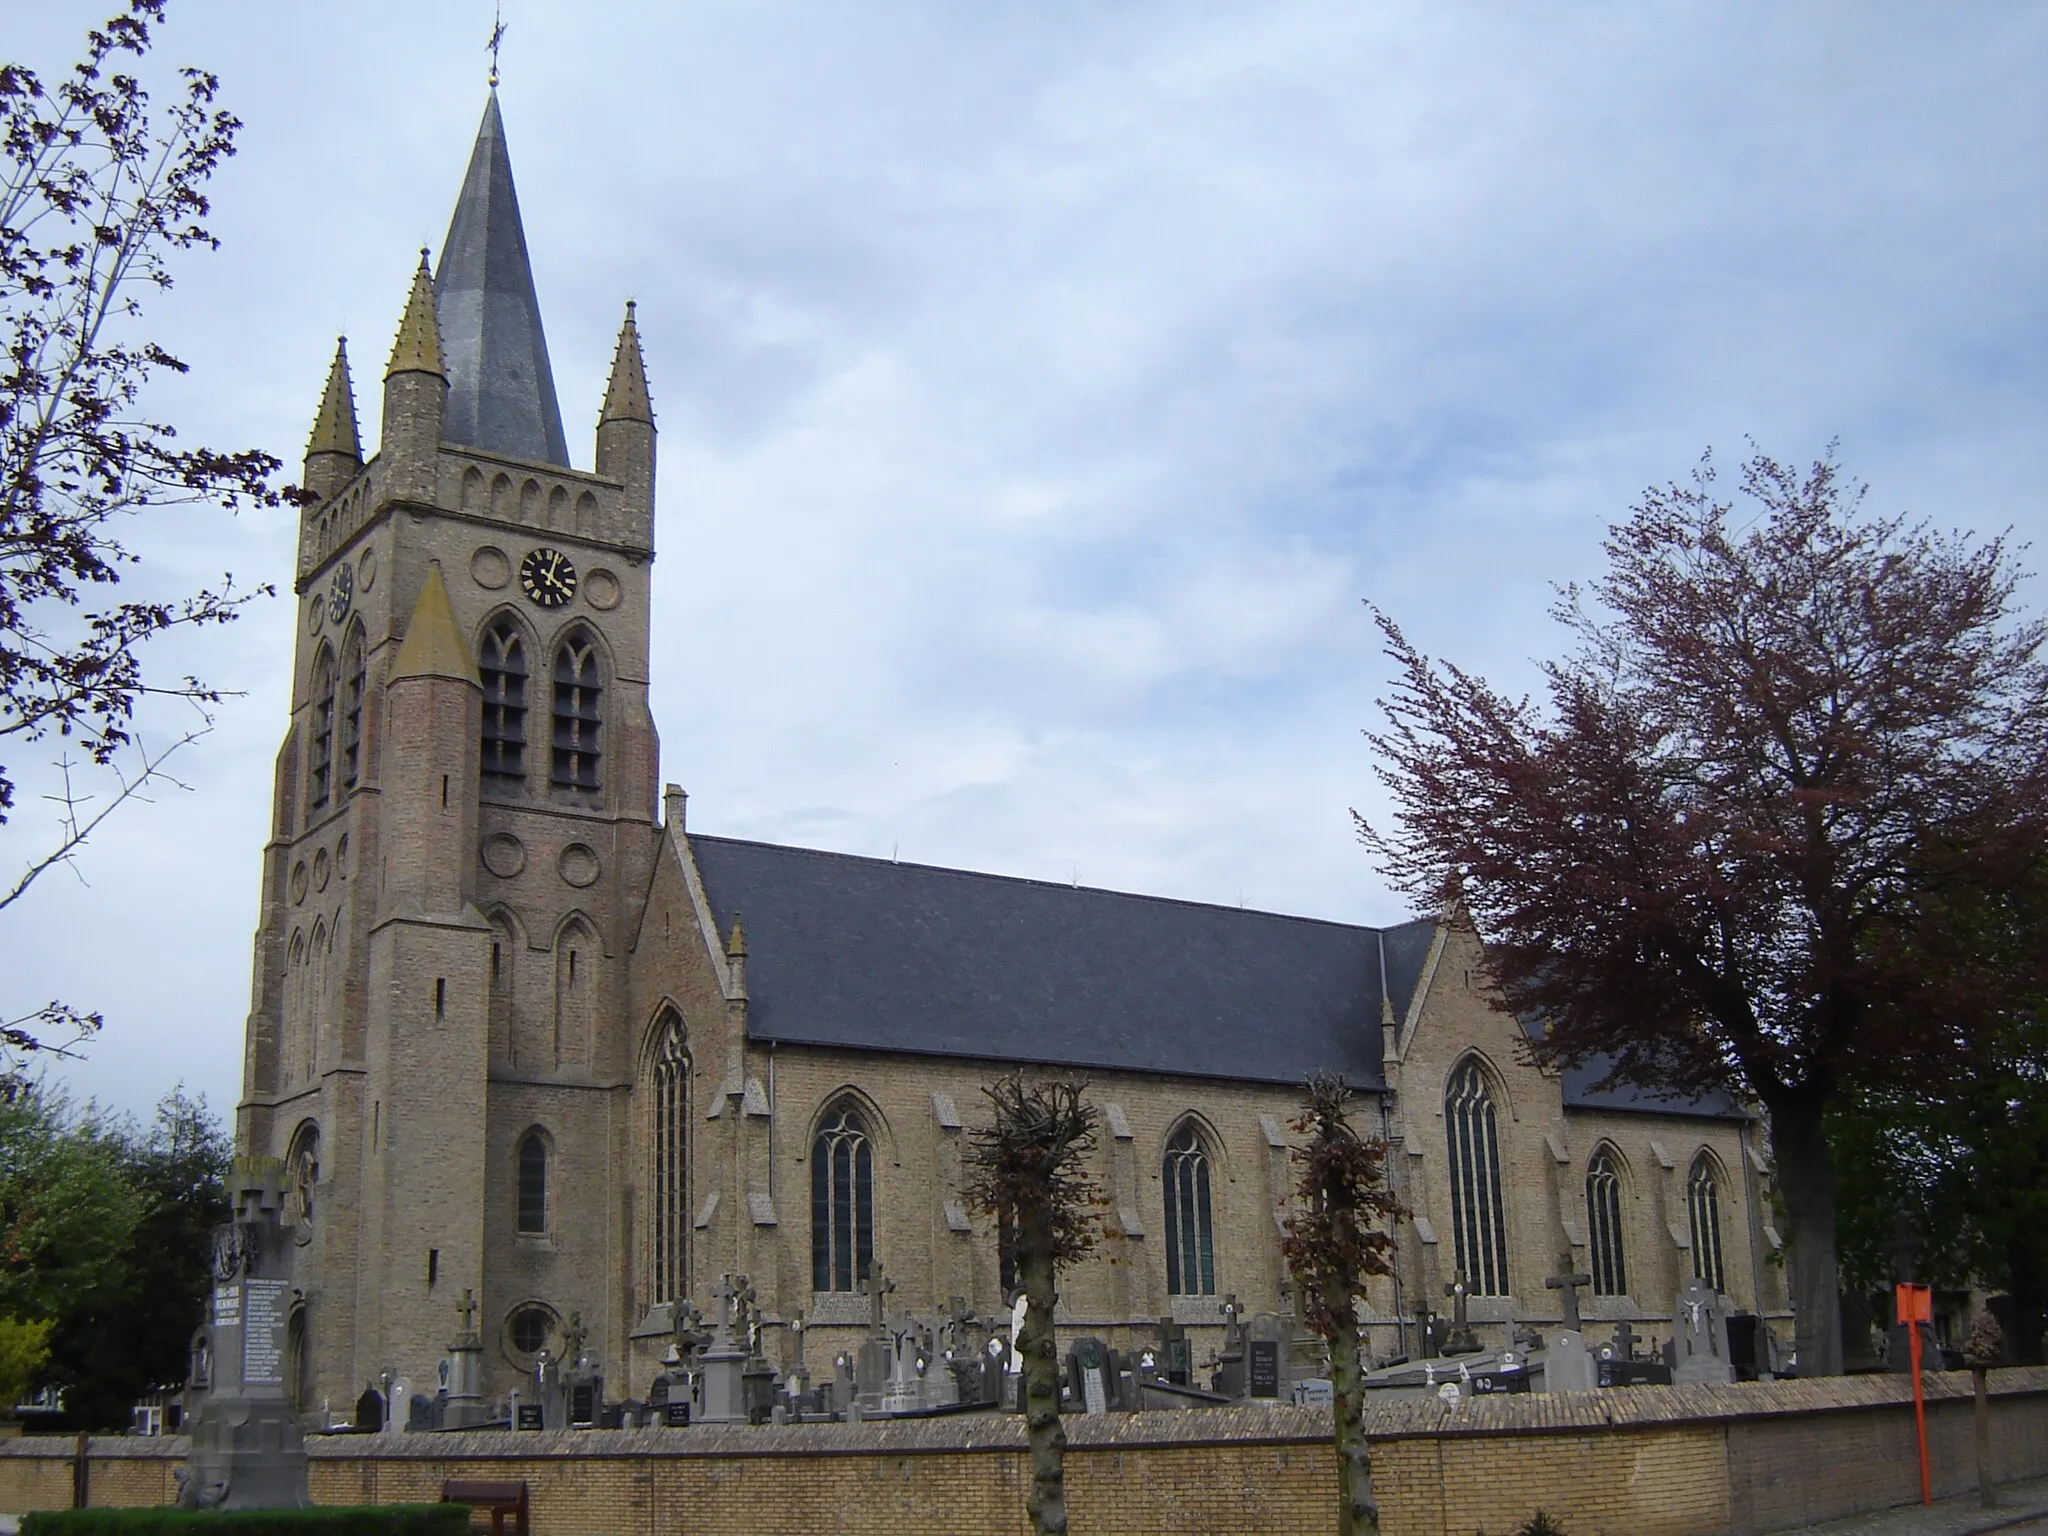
{"points": [[497, 37]]}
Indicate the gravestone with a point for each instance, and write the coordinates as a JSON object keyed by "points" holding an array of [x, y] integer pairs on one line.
{"points": [[369, 1411], [722, 1366], [1699, 1323], [1265, 1353], [1569, 1284], [1462, 1340], [246, 1450], [1426, 1341], [1568, 1366], [1090, 1365], [464, 1372]]}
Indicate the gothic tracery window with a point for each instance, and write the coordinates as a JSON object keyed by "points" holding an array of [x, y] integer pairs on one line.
{"points": [[502, 667], [533, 1184], [842, 1201], [1190, 1238], [671, 1181], [322, 778], [1478, 1218], [353, 678], [1603, 1222], [576, 714], [1702, 1199]]}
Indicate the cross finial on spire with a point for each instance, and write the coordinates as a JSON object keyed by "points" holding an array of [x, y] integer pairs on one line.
{"points": [[497, 37]]}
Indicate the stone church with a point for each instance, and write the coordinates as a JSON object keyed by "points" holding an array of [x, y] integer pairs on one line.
{"points": [[519, 1032]]}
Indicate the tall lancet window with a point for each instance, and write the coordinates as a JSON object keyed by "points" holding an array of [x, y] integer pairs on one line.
{"points": [[321, 786], [1478, 1219], [1190, 1239], [503, 669], [1603, 1222], [1703, 1201], [354, 676], [576, 714], [671, 1181], [533, 1185], [842, 1201]]}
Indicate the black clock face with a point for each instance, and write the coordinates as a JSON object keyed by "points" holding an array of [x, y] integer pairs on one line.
{"points": [[547, 577], [341, 594]]}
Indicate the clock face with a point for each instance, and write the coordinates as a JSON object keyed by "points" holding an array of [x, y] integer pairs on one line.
{"points": [[547, 577], [341, 594]]}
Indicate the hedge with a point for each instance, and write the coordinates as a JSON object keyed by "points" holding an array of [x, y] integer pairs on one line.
{"points": [[364, 1520]]}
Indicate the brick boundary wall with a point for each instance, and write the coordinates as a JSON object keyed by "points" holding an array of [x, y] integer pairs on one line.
{"points": [[1640, 1461]]}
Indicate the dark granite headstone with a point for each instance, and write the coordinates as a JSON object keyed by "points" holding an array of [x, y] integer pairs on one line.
{"points": [[1263, 1362]]}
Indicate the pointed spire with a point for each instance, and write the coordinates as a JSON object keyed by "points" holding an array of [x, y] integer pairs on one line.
{"points": [[625, 398], [736, 946], [501, 389], [433, 646], [334, 428], [418, 347]]}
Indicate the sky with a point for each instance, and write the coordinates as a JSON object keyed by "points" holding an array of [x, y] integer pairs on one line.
{"points": [[1046, 390]]}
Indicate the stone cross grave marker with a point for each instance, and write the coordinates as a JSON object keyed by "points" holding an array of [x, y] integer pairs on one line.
{"points": [[1569, 1283], [1699, 1336], [1463, 1341]]}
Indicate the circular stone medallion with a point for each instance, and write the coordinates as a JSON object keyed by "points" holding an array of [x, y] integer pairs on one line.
{"points": [[298, 882], [601, 590], [578, 864], [341, 856], [320, 870], [491, 567], [504, 855], [366, 570], [318, 614]]}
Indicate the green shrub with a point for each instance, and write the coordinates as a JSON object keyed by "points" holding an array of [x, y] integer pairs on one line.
{"points": [[367, 1520], [1540, 1524]]}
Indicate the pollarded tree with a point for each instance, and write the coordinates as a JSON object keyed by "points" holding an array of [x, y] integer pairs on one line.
{"points": [[1785, 748], [1337, 1238], [1029, 1169], [98, 190]]}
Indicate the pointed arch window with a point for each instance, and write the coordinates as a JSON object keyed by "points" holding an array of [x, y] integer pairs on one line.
{"points": [[1190, 1237], [1703, 1203], [671, 1181], [576, 714], [302, 1175], [354, 677], [533, 1184], [502, 667], [1603, 1224], [1478, 1219], [842, 1201], [321, 784]]}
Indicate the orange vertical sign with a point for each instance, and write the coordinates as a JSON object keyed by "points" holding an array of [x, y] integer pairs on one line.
{"points": [[1916, 1306]]}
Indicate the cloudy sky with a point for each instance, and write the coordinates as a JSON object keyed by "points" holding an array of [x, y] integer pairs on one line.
{"points": [[1043, 388]]}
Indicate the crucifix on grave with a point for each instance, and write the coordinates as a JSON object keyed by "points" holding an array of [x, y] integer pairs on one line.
{"points": [[876, 1286], [1463, 1341], [1569, 1283]]}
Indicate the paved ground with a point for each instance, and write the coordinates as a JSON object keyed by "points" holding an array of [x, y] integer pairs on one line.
{"points": [[2022, 1510]]}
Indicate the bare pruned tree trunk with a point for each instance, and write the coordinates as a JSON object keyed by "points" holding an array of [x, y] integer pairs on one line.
{"points": [[1040, 1351]]}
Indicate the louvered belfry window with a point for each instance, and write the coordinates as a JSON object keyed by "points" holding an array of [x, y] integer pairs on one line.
{"points": [[1603, 1220], [576, 715], [322, 779], [503, 670], [842, 1202], [1190, 1238], [671, 1166], [1478, 1219], [353, 680], [1702, 1198]]}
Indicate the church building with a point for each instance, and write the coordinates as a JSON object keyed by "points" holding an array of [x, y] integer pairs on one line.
{"points": [[519, 1032]]}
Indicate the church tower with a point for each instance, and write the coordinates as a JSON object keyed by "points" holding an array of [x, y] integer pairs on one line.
{"points": [[463, 828]]}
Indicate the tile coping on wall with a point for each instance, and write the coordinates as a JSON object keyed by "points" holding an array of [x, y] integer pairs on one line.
{"points": [[1531, 1413]]}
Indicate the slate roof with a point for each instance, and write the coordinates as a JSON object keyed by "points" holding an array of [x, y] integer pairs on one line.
{"points": [[501, 390], [869, 954], [1579, 1092]]}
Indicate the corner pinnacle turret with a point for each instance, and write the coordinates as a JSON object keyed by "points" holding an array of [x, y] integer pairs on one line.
{"points": [[625, 397], [334, 451], [417, 348]]}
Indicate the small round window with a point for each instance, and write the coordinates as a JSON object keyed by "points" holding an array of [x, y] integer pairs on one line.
{"points": [[530, 1329]]}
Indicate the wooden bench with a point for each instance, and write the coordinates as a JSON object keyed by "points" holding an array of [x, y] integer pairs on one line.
{"points": [[496, 1499]]}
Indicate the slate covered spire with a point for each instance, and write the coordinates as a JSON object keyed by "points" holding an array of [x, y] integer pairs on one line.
{"points": [[501, 391], [334, 451]]}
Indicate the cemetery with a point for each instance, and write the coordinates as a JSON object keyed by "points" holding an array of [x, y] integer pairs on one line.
{"points": [[916, 1430]]}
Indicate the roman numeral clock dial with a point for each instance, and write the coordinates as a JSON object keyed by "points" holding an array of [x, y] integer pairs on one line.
{"points": [[547, 578]]}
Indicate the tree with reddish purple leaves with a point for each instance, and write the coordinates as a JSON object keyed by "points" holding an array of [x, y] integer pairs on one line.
{"points": [[1788, 745], [1338, 1236], [99, 190]]}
